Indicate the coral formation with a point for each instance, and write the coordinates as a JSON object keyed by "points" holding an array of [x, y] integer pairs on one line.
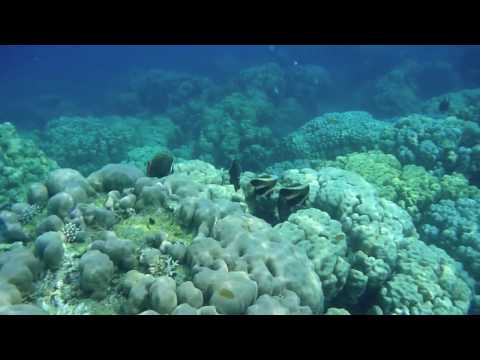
{"points": [[236, 127], [401, 90], [454, 227], [357, 216], [157, 90], [21, 163], [463, 104], [88, 143], [193, 248], [410, 186], [332, 134], [443, 145]]}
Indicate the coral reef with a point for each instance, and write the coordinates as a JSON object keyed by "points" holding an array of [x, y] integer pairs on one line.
{"points": [[87, 143], [21, 164], [463, 104], [268, 78], [410, 186], [454, 227], [332, 134], [362, 246], [309, 85], [396, 92], [312, 86], [156, 90], [385, 247], [401, 90], [443, 145], [236, 127], [188, 243]]}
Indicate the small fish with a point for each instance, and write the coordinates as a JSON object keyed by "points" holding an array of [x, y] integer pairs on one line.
{"points": [[444, 105], [234, 172], [475, 178], [151, 221], [160, 166], [264, 184]]}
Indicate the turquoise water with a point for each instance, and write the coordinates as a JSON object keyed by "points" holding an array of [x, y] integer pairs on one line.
{"points": [[272, 179]]}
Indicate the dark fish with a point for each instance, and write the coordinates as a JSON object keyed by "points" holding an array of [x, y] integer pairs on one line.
{"points": [[3, 226], [444, 105], [264, 184], [160, 166], [290, 198], [235, 171], [151, 221], [475, 178]]}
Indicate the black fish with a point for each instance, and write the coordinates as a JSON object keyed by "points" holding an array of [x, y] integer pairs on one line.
{"points": [[151, 221], [475, 178], [264, 185], [235, 171], [290, 198], [3, 226], [444, 105], [160, 166]]}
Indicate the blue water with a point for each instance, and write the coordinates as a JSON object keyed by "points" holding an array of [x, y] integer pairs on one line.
{"points": [[85, 74]]}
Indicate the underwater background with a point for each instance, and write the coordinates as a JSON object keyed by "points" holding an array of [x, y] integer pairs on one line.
{"points": [[239, 179]]}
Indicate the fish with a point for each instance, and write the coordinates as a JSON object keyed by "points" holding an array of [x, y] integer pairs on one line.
{"points": [[151, 221], [263, 185], [290, 198], [444, 105], [475, 178], [3, 226], [160, 166], [235, 172]]}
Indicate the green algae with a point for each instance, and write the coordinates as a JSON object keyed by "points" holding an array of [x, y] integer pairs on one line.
{"points": [[136, 228], [226, 293]]}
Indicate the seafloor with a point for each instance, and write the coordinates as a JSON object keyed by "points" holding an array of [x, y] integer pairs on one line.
{"points": [[388, 224]]}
